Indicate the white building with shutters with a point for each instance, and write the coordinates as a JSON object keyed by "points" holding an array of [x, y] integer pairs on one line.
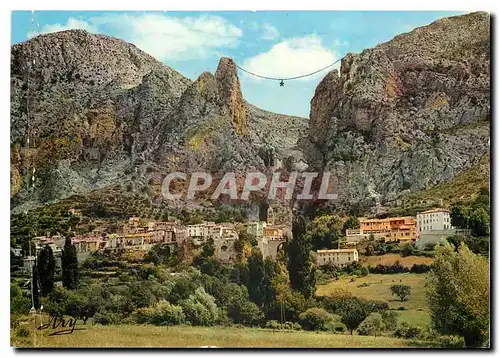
{"points": [[434, 226]]}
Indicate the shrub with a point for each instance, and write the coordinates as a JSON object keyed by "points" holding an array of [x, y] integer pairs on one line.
{"points": [[389, 269], [451, 342], [315, 319], [20, 305], [14, 321], [364, 271], [291, 326], [353, 311], [164, 313], [200, 308], [245, 312], [183, 288], [22, 332], [413, 332], [106, 318], [429, 246], [408, 332], [402, 291], [390, 320], [407, 250], [141, 315], [272, 324], [336, 325], [224, 293], [420, 268], [377, 306], [371, 326], [15, 290]]}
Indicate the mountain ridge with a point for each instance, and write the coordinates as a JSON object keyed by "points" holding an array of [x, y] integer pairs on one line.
{"points": [[401, 117], [100, 108]]}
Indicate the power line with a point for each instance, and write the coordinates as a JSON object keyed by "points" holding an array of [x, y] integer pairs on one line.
{"points": [[288, 78]]}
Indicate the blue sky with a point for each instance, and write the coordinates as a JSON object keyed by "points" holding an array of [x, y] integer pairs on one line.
{"points": [[271, 43]]}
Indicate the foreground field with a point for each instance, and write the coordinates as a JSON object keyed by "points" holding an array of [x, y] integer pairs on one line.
{"points": [[186, 336], [376, 287]]}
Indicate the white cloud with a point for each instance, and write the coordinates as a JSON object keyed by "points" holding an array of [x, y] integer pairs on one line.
{"points": [[167, 37], [293, 57], [269, 32], [72, 24]]}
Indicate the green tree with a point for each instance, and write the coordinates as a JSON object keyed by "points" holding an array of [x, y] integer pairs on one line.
{"points": [[200, 308], [458, 292], [224, 293], [316, 319], [475, 216], [46, 270], [390, 320], [69, 262], [408, 250], [182, 289], [35, 287], [256, 277], [402, 291], [351, 223], [163, 313], [325, 231], [353, 311], [245, 312], [301, 270], [371, 326], [261, 275]]}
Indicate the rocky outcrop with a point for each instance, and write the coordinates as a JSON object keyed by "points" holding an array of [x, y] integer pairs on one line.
{"points": [[407, 114], [105, 117], [230, 91], [104, 114]]}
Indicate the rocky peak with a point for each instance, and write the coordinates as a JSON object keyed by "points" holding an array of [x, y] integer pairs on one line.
{"points": [[207, 87], [402, 115], [82, 59], [230, 93]]}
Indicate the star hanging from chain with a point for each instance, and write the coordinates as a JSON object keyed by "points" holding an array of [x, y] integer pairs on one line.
{"points": [[282, 83]]}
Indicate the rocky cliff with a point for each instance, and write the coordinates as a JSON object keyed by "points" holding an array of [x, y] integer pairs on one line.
{"points": [[104, 114], [406, 114], [107, 119]]}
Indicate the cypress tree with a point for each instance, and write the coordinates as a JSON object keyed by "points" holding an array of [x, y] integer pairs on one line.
{"points": [[69, 262], [300, 266], [35, 287], [46, 270]]}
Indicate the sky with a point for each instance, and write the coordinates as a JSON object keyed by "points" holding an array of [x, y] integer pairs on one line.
{"points": [[269, 43]]}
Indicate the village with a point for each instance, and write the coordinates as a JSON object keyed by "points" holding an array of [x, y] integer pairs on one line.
{"points": [[427, 228]]}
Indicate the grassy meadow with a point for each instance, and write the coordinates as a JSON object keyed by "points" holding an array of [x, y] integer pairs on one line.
{"points": [[376, 287], [194, 337]]}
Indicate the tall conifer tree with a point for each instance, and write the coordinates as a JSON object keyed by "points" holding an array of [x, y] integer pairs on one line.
{"points": [[69, 263]]}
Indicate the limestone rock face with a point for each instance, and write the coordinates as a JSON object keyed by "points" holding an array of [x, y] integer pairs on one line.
{"points": [[91, 114], [407, 114], [230, 92], [103, 114]]}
